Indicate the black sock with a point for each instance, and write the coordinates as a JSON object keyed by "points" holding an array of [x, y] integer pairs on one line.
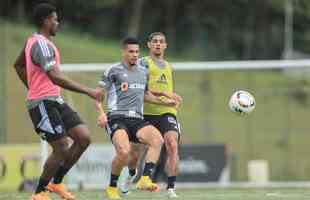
{"points": [[148, 169], [41, 185], [60, 174], [171, 181], [132, 172], [113, 180]]}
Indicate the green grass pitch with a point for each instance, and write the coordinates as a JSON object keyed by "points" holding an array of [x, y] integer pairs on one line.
{"points": [[188, 194]]}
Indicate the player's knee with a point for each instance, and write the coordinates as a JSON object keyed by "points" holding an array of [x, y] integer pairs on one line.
{"points": [[123, 153], [85, 141], [61, 150], [172, 145], [157, 141], [134, 156]]}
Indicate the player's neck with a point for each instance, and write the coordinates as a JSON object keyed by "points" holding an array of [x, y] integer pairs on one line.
{"points": [[44, 33], [128, 65], [157, 57]]}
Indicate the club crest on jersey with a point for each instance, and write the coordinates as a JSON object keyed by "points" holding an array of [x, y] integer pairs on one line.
{"points": [[124, 86], [162, 79]]}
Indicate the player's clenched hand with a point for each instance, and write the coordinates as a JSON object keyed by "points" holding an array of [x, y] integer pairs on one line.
{"points": [[102, 120], [96, 94], [176, 97]]}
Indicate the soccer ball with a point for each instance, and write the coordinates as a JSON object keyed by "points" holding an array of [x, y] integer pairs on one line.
{"points": [[242, 102]]}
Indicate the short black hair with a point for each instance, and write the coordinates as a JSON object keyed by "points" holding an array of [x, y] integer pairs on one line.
{"points": [[152, 35], [41, 12], [129, 40]]}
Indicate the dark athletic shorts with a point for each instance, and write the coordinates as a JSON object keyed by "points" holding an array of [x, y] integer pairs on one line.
{"points": [[164, 123], [130, 125], [52, 120]]}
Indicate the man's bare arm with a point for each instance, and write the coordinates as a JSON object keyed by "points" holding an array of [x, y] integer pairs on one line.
{"points": [[154, 99], [170, 95], [20, 67], [102, 119], [58, 78]]}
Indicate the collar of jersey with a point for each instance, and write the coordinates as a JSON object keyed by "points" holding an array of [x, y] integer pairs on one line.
{"points": [[126, 66], [159, 63]]}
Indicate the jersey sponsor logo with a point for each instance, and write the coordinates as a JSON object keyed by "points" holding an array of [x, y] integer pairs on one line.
{"points": [[125, 86], [162, 79], [137, 86]]}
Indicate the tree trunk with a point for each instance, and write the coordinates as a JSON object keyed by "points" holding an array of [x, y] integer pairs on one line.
{"points": [[135, 18], [249, 35], [170, 23]]}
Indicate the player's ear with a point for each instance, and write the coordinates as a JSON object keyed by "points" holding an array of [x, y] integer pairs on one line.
{"points": [[166, 45], [47, 21], [149, 44], [122, 51]]}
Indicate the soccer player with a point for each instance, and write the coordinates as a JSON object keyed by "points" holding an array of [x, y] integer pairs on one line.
{"points": [[38, 68], [126, 87], [161, 116]]}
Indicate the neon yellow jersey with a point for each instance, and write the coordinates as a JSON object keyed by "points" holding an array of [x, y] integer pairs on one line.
{"points": [[160, 79]]}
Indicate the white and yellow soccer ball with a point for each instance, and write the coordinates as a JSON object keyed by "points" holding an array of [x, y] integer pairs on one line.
{"points": [[242, 102]]}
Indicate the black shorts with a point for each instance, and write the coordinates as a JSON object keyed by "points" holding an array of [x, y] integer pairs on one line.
{"points": [[130, 125], [53, 120], [164, 123]]}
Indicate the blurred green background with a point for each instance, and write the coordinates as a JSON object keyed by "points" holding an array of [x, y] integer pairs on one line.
{"points": [[278, 130]]}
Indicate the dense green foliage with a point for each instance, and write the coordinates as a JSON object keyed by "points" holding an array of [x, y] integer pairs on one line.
{"points": [[203, 29], [196, 30], [276, 131]]}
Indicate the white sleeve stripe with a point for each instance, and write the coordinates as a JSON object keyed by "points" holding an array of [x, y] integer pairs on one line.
{"points": [[44, 48], [45, 54], [47, 49]]}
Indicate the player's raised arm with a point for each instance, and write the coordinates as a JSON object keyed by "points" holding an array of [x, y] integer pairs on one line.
{"points": [[20, 67]]}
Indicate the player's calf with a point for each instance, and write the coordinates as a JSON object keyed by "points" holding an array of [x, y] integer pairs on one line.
{"points": [[171, 143], [150, 136]]}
